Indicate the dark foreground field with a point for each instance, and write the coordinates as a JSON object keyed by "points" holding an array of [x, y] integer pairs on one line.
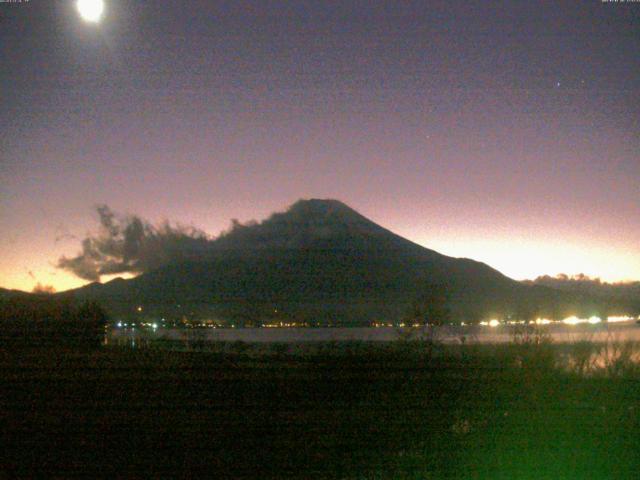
{"points": [[347, 411]]}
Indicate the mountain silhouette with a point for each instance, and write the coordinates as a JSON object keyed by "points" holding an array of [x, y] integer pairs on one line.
{"points": [[320, 261]]}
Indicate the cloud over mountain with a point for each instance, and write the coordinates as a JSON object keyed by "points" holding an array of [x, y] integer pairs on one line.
{"points": [[129, 244]]}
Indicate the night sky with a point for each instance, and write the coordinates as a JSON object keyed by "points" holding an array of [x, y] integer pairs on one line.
{"points": [[507, 132]]}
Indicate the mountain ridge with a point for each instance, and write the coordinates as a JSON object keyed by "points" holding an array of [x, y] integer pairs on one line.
{"points": [[320, 260]]}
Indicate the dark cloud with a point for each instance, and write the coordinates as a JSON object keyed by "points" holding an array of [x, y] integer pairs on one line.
{"points": [[128, 244]]}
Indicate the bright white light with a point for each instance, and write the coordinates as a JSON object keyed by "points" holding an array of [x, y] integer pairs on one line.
{"points": [[575, 320], [119, 324], [90, 10], [543, 321], [155, 325], [494, 323], [619, 319], [572, 320]]}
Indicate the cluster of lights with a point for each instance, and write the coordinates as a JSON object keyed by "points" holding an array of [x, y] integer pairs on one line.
{"points": [[616, 319], [543, 321], [285, 325], [153, 325], [491, 323], [575, 320], [572, 320]]}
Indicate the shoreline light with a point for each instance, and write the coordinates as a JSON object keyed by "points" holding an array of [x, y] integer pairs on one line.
{"points": [[542, 321], [573, 320], [615, 319]]}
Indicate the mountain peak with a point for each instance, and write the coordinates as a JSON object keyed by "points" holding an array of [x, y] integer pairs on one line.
{"points": [[323, 210], [305, 222], [320, 205]]}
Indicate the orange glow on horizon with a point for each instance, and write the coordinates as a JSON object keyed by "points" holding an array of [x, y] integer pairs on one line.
{"points": [[60, 280], [516, 256], [516, 260], [526, 260]]}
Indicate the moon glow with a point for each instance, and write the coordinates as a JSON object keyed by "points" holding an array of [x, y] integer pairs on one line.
{"points": [[90, 10]]}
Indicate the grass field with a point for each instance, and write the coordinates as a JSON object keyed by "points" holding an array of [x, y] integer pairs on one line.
{"points": [[350, 411]]}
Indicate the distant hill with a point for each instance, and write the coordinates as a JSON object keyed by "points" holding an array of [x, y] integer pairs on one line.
{"points": [[321, 261], [621, 293], [6, 294]]}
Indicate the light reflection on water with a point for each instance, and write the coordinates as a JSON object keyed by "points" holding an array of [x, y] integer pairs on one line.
{"points": [[586, 349], [557, 333]]}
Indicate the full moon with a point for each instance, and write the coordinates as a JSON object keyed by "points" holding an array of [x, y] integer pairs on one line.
{"points": [[90, 10]]}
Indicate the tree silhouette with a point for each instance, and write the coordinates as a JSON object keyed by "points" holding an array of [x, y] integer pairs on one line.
{"points": [[431, 306]]}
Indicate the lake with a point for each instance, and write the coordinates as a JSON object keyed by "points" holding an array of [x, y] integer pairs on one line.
{"points": [[558, 332]]}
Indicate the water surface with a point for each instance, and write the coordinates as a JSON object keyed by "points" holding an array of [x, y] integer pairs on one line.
{"points": [[558, 333]]}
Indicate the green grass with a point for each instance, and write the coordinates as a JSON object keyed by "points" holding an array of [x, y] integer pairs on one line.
{"points": [[340, 410]]}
